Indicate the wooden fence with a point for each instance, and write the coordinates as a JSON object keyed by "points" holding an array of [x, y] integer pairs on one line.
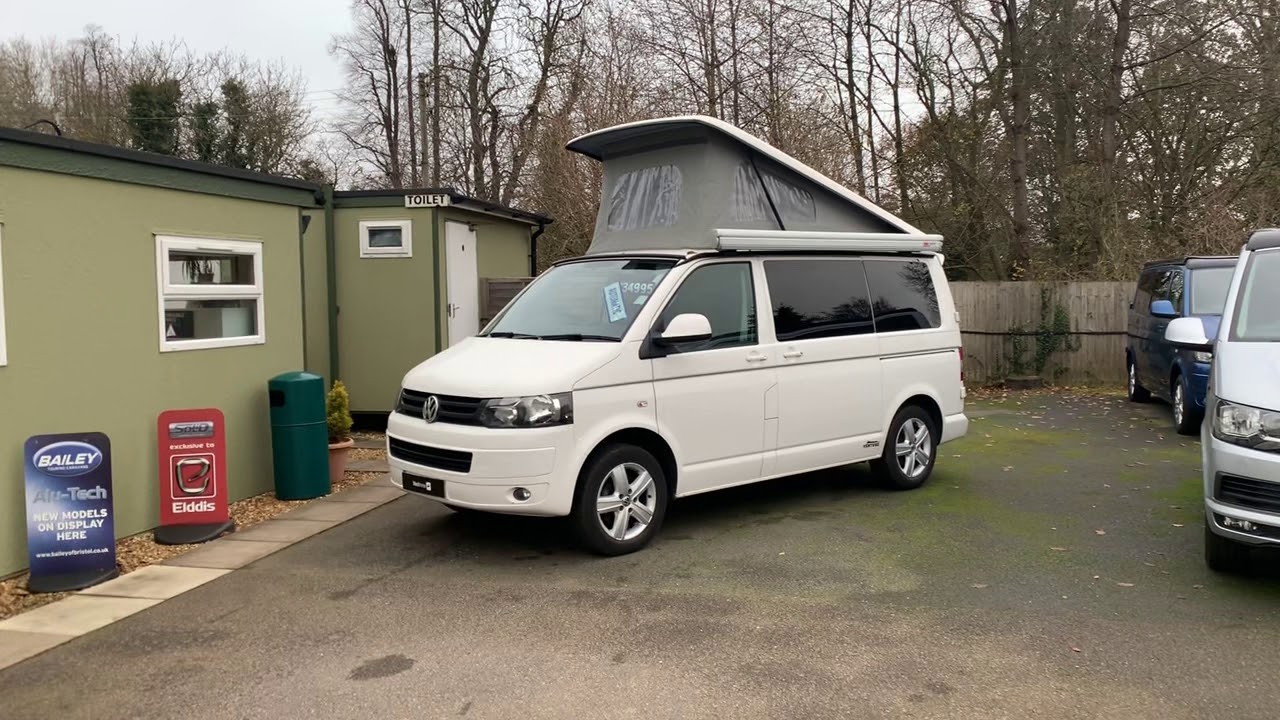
{"points": [[1065, 332]]}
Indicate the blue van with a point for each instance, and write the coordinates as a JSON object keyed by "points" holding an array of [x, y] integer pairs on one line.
{"points": [[1168, 289]]}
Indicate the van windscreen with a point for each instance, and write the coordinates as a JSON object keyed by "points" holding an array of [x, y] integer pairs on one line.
{"points": [[590, 300]]}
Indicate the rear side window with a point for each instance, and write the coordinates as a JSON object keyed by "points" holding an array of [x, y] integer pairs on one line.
{"points": [[902, 295], [818, 298]]}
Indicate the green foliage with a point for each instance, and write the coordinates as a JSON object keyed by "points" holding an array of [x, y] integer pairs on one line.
{"points": [[154, 115], [338, 412], [206, 132], [1052, 334]]}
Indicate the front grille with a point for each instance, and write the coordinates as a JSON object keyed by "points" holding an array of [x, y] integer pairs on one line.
{"points": [[1254, 494], [439, 458], [454, 410]]}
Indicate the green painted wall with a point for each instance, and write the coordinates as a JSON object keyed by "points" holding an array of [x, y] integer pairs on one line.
{"points": [[81, 314], [315, 290], [386, 305]]}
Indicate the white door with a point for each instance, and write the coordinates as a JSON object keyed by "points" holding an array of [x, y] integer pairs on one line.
{"points": [[462, 287], [712, 397], [829, 374]]}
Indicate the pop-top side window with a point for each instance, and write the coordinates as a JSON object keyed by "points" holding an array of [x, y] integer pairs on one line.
{"points": [[645, 198]]}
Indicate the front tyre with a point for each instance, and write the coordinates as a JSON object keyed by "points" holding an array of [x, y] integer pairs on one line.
{"points": [[908, 457], [621, 501], [1223, 555]]}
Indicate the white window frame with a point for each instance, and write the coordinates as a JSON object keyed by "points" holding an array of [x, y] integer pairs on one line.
{"points": [[168, 290], [406, 239], [4, 351]]}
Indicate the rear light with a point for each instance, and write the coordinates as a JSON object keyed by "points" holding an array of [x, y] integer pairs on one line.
{"points": [[961, 366]]}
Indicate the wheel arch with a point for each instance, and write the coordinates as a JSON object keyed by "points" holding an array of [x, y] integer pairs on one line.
{"points": [[641, 437]]}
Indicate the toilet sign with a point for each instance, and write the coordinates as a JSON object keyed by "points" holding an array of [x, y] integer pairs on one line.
{"points": [[193, 476], [71, 540]]}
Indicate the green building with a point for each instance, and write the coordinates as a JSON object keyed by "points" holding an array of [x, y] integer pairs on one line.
{"points": [[133, 283]]}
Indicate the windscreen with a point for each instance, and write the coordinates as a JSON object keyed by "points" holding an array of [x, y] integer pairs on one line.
{"points": [[1209, 289], [1256, 316], [592, 300]]}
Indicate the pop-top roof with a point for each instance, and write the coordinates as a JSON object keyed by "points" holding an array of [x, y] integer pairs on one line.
{"points": [[695, 182]]}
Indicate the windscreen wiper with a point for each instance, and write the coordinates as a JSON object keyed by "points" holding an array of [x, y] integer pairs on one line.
{"points": [[519, 336], [579, 337]]}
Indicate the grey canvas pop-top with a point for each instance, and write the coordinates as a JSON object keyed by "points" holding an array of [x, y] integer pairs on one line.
{"points": [[671, 183]]}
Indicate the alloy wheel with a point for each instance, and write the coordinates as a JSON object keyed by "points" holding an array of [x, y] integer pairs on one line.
{"points": [[912, 448], [1178, 399], [626, 502]]}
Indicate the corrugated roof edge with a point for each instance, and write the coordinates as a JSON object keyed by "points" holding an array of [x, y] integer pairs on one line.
{"points": [[29, 137], [455, 197], [581, 144]]}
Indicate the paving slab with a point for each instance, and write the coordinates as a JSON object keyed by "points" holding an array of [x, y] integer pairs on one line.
{"points": [[226, 555], [280, 530], [377, 491], [18, 645], [159, 582], [371, 444], [325, 510], [76, 615]]}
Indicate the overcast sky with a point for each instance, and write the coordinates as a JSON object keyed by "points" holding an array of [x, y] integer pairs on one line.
{"points": [[296, 31]]}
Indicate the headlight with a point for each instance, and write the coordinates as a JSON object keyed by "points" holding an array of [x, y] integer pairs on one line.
{"points": [[1203, 356], [1248, 426], [534, 411]]}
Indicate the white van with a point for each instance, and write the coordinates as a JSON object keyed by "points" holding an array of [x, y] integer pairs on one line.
{"points": [[623, 379], [1240, 440]]}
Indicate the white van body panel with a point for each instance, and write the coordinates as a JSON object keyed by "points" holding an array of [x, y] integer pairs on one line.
{"points": [[729, 416]]}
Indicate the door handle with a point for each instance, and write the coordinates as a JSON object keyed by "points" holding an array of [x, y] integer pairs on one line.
{"points": [[793, 354], [756, 357]]}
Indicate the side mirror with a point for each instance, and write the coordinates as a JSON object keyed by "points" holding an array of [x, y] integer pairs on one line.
{"points": [[1188, 332], [686, 327], [1163, 308]]}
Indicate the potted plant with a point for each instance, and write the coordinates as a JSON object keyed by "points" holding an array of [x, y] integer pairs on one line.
{"points": [[338, 415]]}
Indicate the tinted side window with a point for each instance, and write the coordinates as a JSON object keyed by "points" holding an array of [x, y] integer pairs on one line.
{"points": [[818, 298], [1177, 281], [902, 295], [1164, 284], [1146, 283], [725, 294]]}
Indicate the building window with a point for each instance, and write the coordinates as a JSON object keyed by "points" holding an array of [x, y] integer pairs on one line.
{"points": [[386, 238], [210, 293], [4, 357]]}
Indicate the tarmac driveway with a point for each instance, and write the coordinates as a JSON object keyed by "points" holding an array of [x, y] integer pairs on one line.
{"points": [[1052, 568]]}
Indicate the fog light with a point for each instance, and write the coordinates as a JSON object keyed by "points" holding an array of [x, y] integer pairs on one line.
{"points": [[1234, 524], [521, 494]]}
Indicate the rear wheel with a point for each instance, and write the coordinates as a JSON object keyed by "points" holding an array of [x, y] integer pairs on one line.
{"points": [[621, 500], [1223, 555], [1137, 393], [1186, 416], [908, 457]]}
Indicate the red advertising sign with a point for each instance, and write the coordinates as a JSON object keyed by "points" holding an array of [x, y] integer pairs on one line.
{"points": [[193, 476]]}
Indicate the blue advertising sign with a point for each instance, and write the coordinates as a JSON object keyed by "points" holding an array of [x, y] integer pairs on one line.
{"points": [[71, 540]]}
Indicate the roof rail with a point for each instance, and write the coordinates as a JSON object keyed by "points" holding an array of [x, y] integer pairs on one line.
{"points": [[790, 240], [1264, 239]]}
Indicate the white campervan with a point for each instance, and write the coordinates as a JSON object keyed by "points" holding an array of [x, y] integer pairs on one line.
{"points": [[738, 317]]}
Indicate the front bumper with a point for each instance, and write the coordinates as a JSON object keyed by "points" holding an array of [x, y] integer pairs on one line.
{"points": [[1223, 459], [1198, 379], [536, 459]]}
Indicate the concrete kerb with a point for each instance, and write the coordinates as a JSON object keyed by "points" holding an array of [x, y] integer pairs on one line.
{"points": [[35, 631]]}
